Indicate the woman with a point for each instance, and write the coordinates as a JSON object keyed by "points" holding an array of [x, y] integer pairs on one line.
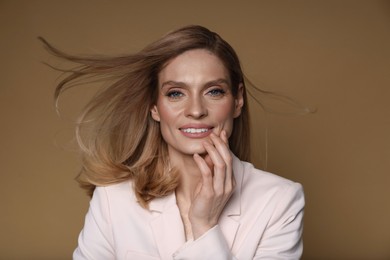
{"points": [[165, 146]]}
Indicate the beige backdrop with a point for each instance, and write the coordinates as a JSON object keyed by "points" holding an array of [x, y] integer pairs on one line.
{"points": [[332, 55]]}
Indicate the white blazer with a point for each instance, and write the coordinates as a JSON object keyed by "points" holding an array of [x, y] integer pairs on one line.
{"points": [[262, 220]]}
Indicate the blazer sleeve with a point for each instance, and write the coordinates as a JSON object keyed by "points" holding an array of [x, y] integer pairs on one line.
{"points": [[281, 239], [96, 240], [211, 245]]}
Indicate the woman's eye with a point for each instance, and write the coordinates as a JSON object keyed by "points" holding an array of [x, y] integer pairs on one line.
{"points": [[174, 94], [216, 92]]}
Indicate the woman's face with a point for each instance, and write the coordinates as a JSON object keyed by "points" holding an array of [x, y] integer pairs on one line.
{"points": [[194, 100]]}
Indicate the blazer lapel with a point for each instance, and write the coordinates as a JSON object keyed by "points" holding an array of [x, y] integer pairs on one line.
{"points": [[167, 226], [230, 217]]}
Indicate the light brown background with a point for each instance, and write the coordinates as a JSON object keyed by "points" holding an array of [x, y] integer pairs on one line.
{"points": [[332, 55]]}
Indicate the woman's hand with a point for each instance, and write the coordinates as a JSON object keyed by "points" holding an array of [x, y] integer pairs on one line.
{"points": [[216, 186]]}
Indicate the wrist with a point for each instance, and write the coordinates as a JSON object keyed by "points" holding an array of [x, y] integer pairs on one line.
{"points": [[199, 229]]}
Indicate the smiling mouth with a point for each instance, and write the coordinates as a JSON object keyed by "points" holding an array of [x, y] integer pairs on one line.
{"points": [[195, 130]]}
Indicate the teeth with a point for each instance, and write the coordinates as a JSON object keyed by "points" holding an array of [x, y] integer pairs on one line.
{"points": [[195, 130]]}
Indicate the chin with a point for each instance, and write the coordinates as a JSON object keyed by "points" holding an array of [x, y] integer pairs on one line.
{"points": [[199, 149]]}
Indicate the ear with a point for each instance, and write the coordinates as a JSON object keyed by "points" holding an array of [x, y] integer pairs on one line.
{"points": [[154, 113], [239, 101]]}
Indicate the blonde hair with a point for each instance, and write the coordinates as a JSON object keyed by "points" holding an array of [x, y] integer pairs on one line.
{"points": [[118, 138]]}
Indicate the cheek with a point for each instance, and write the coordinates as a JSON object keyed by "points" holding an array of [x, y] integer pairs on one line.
{"points": [[225, 111], [167, 114], [224, 115]]}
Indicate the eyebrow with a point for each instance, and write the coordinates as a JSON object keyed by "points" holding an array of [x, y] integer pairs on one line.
{"points": [[182, 84]]}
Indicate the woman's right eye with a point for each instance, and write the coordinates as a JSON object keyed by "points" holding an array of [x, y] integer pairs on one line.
{"points": [[174, 94]]}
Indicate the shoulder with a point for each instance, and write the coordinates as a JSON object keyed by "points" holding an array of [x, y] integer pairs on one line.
{"points": [[118, 190], [265, 179], [253, 178], [116, 197], [261, 187]]}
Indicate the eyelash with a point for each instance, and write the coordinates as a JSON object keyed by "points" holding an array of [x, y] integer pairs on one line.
{"points": [[216, 92], [219, 91], [174, 94]]}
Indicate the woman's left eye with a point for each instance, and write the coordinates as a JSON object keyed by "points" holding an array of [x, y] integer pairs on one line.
{"points": [[216, 92]]}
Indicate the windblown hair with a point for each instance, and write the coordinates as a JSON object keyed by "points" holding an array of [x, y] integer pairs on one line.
{"points": [[117, 136]]}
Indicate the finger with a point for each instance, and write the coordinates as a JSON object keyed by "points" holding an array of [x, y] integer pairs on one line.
{"points": [[224, 137], [207, 178], [225, 153], [209, 163], [219, 168], [221, 146]]}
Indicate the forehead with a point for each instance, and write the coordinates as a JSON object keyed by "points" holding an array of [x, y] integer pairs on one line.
{"points": [[194, 65]]}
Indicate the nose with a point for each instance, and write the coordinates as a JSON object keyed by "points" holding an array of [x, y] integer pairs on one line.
{"points": [[196, 108]]}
